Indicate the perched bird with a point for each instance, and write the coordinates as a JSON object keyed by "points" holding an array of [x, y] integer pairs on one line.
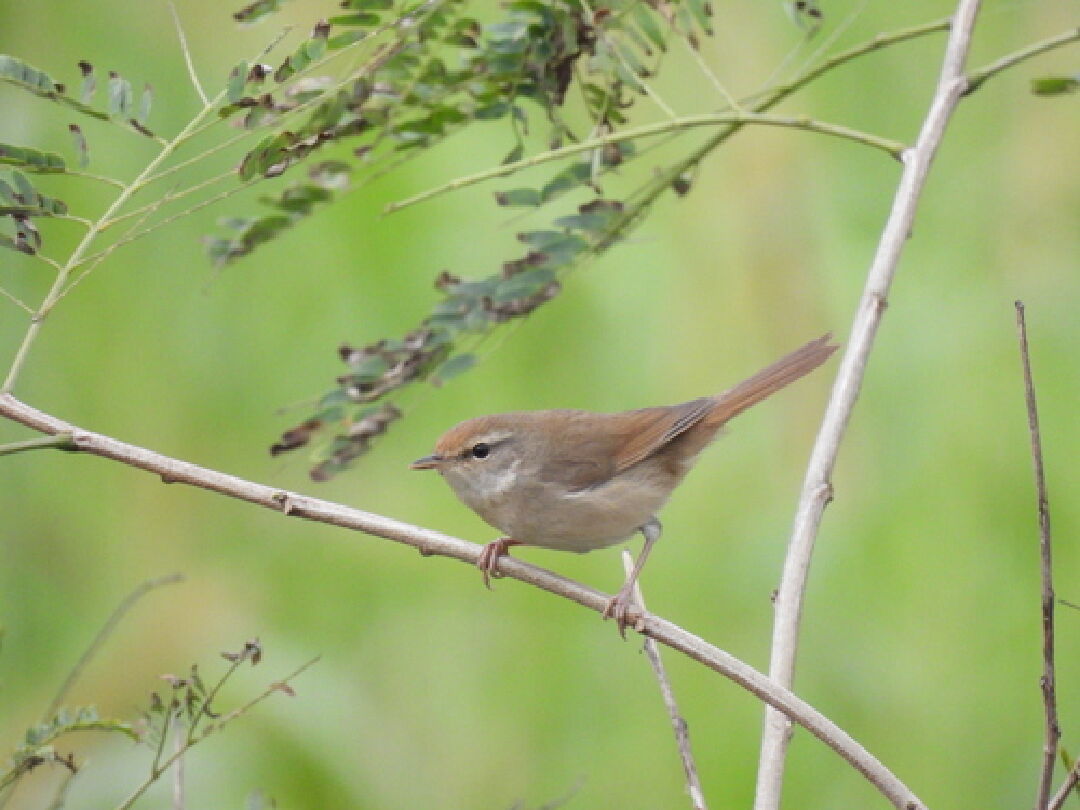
{"points": [[578, 481]]}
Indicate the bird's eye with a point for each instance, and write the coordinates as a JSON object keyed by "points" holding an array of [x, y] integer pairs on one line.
{"points": [[480, 450]]}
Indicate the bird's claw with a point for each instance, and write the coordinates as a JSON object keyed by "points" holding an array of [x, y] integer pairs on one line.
{"points": [[619, 608], [488, 561]]}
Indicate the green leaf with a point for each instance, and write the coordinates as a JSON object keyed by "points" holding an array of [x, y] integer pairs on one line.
{"points": [[24, 186], [365, 5], [1055, 85], [20, 245], [645, 20], [559, 248], [456, 365], [119, 95], [18, 73], [571, 177], [146, 101], [524, 285], [806, 14], [31, 159], [519, 198], [360, 19], [237, 82], [515, 154], [82, 149], [254, 12], [345, 40], [89, 82]]}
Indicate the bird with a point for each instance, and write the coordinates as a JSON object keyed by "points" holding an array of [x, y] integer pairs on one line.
{"points": [[577, 480]]}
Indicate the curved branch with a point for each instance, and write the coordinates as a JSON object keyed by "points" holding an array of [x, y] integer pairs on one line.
{"points": [[817, 485], [429, 542], [893, 148]]}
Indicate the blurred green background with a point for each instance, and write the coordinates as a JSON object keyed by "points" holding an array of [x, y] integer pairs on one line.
{"points": [[921, 633]]}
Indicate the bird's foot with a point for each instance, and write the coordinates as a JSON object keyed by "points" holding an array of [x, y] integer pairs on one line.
{"points": [[620, 607], [488, 561]]}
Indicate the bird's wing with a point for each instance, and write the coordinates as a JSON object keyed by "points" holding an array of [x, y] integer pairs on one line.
{"points": [[585, 454], [653, 428]]}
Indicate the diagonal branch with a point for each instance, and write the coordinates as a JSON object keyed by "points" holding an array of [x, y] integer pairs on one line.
{"points": [[977, 77], [428, 542], [817, 486]]}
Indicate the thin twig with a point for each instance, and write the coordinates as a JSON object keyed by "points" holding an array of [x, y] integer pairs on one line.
{"points": [[100, 178], [91, 262], [126, 604], [891, 147], [169, 197], [433, 543], [1048, 680], [729, 100], [1067, 787], [94, 259], [159, 768], [835, 34], [817, 485], [17, 301], [61, 441], [977, 77], [678, 722], [187, 56]]}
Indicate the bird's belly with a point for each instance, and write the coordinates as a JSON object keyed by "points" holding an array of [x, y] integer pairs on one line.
{"points": [[584, 520]]}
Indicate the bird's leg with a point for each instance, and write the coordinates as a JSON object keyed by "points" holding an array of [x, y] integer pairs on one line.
{"points": [[621, 603], [488, 561]]}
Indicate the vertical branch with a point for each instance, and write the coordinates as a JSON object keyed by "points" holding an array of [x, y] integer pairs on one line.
{"points": [[678, 723], [1047, 682], [817, 486]]}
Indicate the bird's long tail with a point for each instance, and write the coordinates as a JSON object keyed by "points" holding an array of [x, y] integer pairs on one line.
{"points": [[730, 403]]}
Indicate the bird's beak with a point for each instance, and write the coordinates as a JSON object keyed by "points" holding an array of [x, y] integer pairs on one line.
{"points": [[426, 463]]}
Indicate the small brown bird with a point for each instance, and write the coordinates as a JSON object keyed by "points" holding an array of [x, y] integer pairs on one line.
{"points": [[578, 481]]}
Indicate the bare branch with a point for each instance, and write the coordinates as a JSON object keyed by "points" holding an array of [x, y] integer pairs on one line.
{"points": [[678, 722], [817, 485], [429, 542], [1047, 682]]}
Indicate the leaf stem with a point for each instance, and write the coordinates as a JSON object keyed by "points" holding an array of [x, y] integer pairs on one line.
{"points": [[99, 178], [17, 301]]}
